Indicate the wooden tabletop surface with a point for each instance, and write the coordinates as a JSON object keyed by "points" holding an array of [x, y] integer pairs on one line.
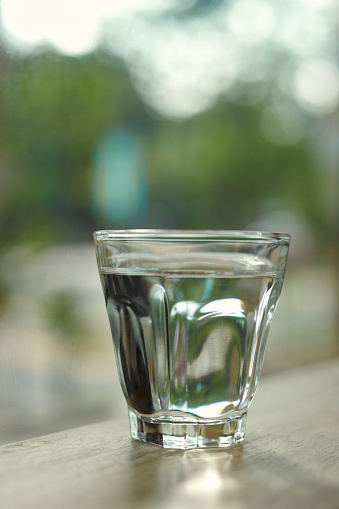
{"points": [[289, 459]]}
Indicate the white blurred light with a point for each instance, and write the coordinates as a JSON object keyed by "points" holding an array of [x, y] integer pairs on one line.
{"points": [[178, 100], [68, 25], [206, 482], [181, 79], [251, 21], [181, 65], [317, 3], [72, 26], [317, 86], [302, 30]]}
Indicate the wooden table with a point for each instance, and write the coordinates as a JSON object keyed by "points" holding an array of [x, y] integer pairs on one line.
{"points": [[289, 459]]}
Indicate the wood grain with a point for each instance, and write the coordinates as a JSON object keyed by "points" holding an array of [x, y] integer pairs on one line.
{"points": [[290, 458]]}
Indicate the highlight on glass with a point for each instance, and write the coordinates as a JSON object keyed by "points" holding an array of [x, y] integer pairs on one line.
{"points": [[190, 313]]}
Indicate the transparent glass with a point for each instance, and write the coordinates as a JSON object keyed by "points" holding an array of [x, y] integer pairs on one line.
{"points": [[189, 313]]}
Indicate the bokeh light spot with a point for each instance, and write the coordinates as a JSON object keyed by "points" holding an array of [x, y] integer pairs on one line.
{"points": [[317, 86]]}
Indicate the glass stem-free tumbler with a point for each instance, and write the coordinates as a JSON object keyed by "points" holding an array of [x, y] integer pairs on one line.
{"points": [[189, 313]]}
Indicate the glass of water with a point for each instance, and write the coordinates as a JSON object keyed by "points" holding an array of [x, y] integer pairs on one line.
{"points": [[189, 313]]}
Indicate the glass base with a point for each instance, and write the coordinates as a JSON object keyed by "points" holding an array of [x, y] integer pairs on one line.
{"points": [[188, 435]]}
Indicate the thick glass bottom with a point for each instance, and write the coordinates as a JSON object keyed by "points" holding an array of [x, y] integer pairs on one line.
{"points": [[188, 435]]}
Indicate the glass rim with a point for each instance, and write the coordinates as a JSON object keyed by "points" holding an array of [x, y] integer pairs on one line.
{"points": [[191, 235]]}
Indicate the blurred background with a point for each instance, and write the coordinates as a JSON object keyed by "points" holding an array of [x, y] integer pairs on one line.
{"points": [[156, 114]]}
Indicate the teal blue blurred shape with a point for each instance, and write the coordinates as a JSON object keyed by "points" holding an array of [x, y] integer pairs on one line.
{"points": [[119, 188]]}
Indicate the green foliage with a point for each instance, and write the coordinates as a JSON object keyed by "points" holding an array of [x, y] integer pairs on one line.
{"points": [[61, 316], [214, 170], [220, 170], [53, 110]]}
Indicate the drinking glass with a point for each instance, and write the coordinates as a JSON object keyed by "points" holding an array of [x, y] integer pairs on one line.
{"points": [[189, 313]]}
